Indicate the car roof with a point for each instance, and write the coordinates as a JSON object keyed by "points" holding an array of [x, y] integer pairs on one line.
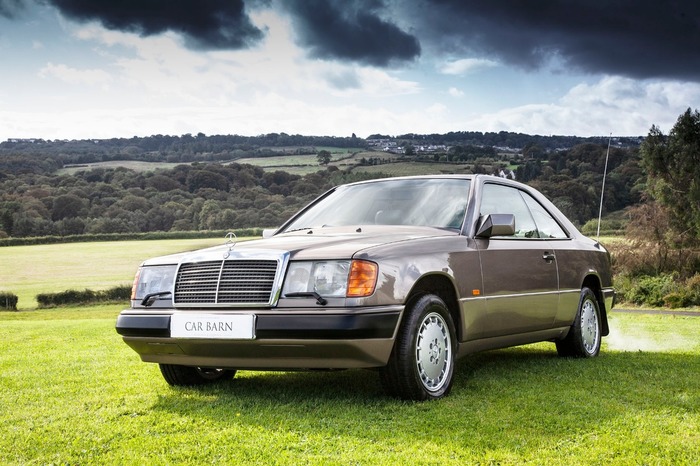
{"points": [[472, 177]]}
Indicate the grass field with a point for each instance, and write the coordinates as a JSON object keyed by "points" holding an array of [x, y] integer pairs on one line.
{"points": [[415, 168], [304, 164], [29, 270], [135, 165], [285, 160], [72, 393]]}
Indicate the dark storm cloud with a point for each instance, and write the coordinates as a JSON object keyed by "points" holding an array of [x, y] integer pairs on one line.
{"points": [[640, 39], [11, 8], [634, 38], [209, 24], [350, 30]]}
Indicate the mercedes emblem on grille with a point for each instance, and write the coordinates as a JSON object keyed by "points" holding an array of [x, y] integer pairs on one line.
{"points": [[231, 242]]}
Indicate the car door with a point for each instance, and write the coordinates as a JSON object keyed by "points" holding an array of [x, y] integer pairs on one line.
{"points": [[520, 278]]}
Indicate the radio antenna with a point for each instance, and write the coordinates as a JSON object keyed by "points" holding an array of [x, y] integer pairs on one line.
{"points": [[602, 189]]}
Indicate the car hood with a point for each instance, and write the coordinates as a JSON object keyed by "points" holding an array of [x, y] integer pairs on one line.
{"points": [[311, 244]]}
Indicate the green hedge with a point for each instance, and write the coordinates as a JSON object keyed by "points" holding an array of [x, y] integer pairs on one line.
{"points": [[607, 227], [663, 290], [8, 301], [72, 297], [158, 235]]}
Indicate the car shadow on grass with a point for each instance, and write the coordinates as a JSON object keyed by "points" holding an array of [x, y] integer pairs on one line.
{"points": [[503, 404], [516, 376]]}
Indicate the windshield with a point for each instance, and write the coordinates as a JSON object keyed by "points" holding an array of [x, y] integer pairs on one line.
{"points": [[435, 202]]}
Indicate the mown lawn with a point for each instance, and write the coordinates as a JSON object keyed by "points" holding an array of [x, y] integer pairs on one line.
{"points": [[72, 393], [29, 270]]}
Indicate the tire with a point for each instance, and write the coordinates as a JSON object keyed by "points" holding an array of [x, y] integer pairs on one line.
{"points": [[584, 337], [185, 375], [421, 365]]}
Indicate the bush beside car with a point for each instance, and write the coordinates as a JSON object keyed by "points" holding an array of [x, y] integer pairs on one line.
{"points": [[663, 290]]}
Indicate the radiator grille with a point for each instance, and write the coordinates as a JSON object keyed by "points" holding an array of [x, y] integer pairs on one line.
{"points": [[227, 282]]}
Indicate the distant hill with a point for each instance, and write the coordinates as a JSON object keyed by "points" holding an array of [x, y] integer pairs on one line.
{"points": [[194, 183], [201, 148]]}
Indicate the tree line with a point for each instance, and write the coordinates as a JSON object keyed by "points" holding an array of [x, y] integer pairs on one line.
{"points": [[34, 201], [189, 148], [159, 148], [185, 198], [506, 139]]}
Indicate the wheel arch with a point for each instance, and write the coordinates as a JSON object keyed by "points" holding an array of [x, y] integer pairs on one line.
{"points": [[443, 287], [593, 282]]}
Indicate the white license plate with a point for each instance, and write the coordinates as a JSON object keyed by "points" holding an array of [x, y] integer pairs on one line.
{"points": [[229, 327]]}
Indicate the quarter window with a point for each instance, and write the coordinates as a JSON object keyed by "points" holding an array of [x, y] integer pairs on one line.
{"points": [[531, 219], [499, 199], [547, 227]]}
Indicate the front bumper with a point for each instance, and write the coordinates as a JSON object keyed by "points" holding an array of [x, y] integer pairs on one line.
{"points": [[299, 339]]}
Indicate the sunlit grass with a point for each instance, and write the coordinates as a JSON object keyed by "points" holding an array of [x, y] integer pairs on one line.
{"points": [[72, 393], [29, 270]]}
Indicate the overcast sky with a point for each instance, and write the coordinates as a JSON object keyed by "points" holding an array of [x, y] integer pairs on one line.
{"points": [[74, 69]]}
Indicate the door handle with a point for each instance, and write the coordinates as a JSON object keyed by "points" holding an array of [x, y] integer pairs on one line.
{"points": [[548, 256]]}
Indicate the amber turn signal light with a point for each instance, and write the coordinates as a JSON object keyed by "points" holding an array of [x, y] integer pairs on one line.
{"points": [[362, 279]]}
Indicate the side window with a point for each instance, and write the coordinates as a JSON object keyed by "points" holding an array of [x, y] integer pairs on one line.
{"points": [[547, 227], [499, 199]]}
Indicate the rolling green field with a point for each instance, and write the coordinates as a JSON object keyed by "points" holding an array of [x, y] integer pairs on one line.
{"points": [[296, 164], [29, 270], [135, 165], [305, 164], [282, 161]]}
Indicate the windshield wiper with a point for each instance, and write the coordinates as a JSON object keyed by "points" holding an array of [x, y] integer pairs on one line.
{"points": [[308, 294], [297, 229], [149, 299]]}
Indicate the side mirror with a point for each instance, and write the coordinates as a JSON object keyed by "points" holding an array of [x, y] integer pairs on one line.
{"points": [[269, 232], [496, 225]]}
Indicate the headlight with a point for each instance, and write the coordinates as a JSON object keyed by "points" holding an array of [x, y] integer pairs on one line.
{"points": [[331, 279], [155, 279]]}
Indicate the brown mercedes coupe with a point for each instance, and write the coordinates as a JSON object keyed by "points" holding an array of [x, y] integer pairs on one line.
{"points": [[404, 275]]}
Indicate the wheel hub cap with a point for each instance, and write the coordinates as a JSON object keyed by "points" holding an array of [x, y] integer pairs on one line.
{"points": [[433, 348], [589, 326]]}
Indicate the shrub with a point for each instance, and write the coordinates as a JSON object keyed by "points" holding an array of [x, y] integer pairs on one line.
{"points": [[678, 299], [608, 227], [651, 290], [652, 247], [8, 301], [623, 285], [693, 287], [637, 257], [69, 297], [660, 290]]}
